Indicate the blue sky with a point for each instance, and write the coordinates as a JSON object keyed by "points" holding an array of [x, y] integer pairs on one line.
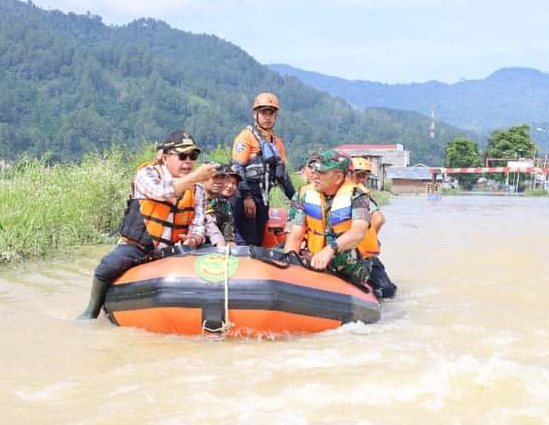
{"points": [[390, 41]]}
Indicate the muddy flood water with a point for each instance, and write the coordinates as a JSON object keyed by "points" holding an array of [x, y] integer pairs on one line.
{"points": [[466, 341]]}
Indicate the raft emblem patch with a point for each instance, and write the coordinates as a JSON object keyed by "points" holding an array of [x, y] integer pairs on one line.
{"points": [[211, 268]]}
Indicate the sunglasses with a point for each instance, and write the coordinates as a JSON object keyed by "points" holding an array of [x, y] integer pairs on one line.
{"points": [[193, 156]]}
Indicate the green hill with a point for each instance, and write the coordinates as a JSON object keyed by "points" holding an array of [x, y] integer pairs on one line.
{"points": [[70, 84]]}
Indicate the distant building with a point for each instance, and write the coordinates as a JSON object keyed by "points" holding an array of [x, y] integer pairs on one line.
{"points": [[381, 157], [411, 180]]}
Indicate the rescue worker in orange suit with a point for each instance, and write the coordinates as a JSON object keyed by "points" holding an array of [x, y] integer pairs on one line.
{"points": [[166, 208], [259, 157], [361, 169]]}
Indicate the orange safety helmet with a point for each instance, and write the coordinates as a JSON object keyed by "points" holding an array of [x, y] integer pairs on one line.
{"points": [[361, 164], [266, 100]]}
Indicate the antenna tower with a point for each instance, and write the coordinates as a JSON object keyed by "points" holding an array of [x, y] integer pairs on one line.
{"points": [[432, 125]]}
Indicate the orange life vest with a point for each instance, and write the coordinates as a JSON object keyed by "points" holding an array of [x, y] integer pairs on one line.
{"points": [[318, 229], [247, 146], [149, 222], [163, 228]]}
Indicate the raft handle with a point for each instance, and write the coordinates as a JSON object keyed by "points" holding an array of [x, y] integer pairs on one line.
{"points": [[270, 256]]}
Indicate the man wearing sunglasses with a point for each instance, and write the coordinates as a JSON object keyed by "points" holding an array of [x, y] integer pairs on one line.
{"points": [[258, 155], [166, 208]]}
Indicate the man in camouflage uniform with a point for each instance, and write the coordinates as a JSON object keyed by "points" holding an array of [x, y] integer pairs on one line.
{"points": [[219, 217], [333, 214]]}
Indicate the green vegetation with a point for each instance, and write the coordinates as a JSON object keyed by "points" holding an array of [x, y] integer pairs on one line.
{"points": [[510, 145], [536, 192], [381, 198], [449, 191], [503, 145], [71, 85], [462, 152], [47, 208]]}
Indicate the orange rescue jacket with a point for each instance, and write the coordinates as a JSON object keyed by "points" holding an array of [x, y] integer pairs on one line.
{"points": [[318, 230], [148, 222], [246, 146]]}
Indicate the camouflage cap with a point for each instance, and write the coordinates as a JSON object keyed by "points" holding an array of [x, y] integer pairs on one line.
{"points": [[312, 158], [332, 160], [181, 142], [229, 170]]}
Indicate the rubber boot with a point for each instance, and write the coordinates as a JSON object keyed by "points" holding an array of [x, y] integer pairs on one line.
{"points": [[97, 297]]}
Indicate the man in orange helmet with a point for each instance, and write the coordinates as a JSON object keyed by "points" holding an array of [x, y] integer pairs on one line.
{"points": [[258, 155], [361, 169]]}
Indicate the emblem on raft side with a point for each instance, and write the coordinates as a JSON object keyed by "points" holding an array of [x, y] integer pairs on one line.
{"points": [[211, 268]]}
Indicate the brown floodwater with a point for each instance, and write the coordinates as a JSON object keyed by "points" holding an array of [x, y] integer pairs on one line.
{"points": [[466, 341]]}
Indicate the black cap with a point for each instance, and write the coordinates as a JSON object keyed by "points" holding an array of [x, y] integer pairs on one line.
{"points": [[180, 141]]}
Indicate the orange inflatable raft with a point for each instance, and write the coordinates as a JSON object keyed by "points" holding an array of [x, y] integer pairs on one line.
{"points": [[231, 291]]}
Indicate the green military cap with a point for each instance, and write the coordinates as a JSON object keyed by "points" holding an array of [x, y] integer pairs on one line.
{"points": [[332, 160]]}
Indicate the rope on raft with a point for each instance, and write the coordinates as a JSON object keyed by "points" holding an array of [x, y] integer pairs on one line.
{"points": [[225, 324]]}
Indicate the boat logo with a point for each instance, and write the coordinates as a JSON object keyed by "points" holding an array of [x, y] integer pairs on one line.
{"points": [[213, 267]]}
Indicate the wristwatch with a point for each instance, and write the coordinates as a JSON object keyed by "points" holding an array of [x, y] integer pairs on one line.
{"points": [[334, 246]]}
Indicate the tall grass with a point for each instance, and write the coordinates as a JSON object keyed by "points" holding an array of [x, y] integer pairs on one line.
{"points": [[45, 208]]}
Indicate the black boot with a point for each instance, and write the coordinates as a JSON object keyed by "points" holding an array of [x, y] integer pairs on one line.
{"points": [[383, 286], [97, 297]]}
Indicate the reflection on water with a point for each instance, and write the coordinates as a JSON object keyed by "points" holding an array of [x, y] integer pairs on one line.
{"points": [[464, 342]]}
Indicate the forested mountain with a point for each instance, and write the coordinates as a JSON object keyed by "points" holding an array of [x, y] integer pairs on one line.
{"points": [[70, 84], [507, 97]]}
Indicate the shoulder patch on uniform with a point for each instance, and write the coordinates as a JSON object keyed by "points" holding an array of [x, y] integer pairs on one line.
{"points": [[239, 147], [357, 191]]}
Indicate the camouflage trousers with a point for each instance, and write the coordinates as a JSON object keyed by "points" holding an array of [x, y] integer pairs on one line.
{"points": [[352, 267]]}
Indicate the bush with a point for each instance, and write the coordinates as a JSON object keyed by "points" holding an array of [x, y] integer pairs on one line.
{"points": [[44, 208], [536, 192], [449, 191]]}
